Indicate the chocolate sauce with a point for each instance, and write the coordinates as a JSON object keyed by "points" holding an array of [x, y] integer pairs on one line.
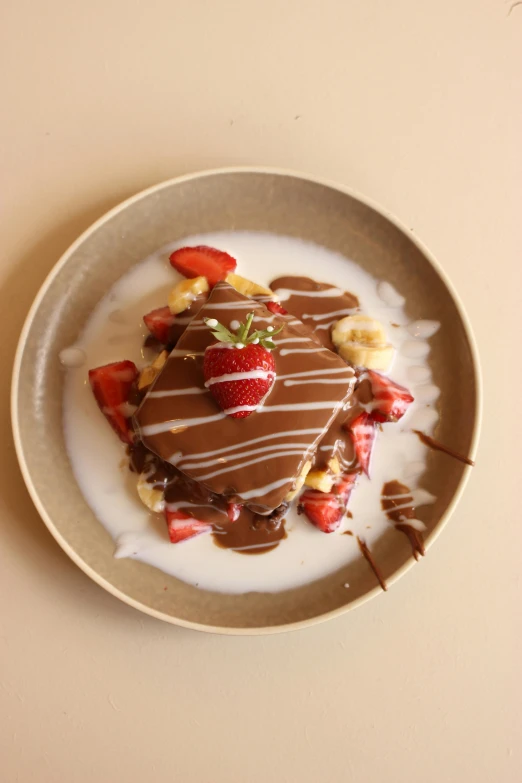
{"points": [[317, 312], [397, 502], [373, 565], [436, 446], [252, 534]]}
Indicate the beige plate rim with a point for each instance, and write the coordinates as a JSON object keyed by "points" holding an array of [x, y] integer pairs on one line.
{"points": [[63, 261]]}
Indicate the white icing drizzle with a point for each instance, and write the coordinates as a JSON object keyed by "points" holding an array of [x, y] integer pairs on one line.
{"points": [[329, 293], [255, 493], [269, 436], [292, 340], [197, 463], [302, 406], [227, 306], [277, 455], [241, 409], [322, 316], [306, 373], [240, 376], [287, 351], [316, 380], [175, 425], [178, 392]]}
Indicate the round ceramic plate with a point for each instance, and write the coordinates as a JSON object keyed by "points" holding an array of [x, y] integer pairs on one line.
{"points": [[240, 199]]}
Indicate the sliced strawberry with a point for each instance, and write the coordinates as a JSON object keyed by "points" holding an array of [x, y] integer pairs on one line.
{"points": [[233, 511], [181, 526], [276, 308], [203, 261], [111, 386], [158, 322], [391, 400], [324, 509], [362, 430], [344, 485]]}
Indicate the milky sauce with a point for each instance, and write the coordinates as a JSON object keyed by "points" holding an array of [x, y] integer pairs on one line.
{"points": [[115, 331]]}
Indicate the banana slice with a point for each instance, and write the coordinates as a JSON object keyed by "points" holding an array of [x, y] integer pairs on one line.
{"points": [[184, 293], [160, 360], [300, 480], [247, 287], [358, 329], [361, 341], [320, 480], [150, 496], [372, 357], [334, 466], [149, 374]]}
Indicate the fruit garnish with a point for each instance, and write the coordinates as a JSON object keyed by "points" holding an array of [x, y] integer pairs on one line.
{"points": [[158, 322], [181, 526], [362, 431], [344, 485], [325, 510], [361, 341], [203, 261], [247, 287], [149, 374], [233, 511], [276, 308], [185, 292], [391, 401], [111, 386], [239, 370]]}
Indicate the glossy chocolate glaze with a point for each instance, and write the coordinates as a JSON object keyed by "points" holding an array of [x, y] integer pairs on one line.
{"points": [[299, 296], [188, 429]]}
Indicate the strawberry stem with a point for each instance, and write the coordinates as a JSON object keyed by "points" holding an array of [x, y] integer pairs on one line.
{"points": [[263, 337]]}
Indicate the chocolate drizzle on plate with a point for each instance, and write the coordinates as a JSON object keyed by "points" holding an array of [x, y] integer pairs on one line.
{"points": [[397, 503], [373, 565], [436, 446]]}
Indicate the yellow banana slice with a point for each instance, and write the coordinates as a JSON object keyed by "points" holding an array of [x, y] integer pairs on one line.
{"points": [[247, 287], [149, 374], [184, 293], [358, 329], [150, 496], [361, 341], [320, 480], [374, 357], [300, 480]]}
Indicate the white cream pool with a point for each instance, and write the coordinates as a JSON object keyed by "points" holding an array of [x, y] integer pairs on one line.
{"points": [[115, 331]]}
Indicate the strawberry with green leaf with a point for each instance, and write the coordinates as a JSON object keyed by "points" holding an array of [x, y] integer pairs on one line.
{"points": [[239, 369]]}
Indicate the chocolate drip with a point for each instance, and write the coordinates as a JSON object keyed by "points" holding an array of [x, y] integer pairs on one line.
{"points": [[436, 446], [399, 509], [373, 565]]}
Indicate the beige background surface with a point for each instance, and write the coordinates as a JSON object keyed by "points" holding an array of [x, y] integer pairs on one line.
{"points": [[418, 105]]}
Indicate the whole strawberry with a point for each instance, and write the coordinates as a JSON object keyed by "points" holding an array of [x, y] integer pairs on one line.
{"points": [[239, 369]]}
